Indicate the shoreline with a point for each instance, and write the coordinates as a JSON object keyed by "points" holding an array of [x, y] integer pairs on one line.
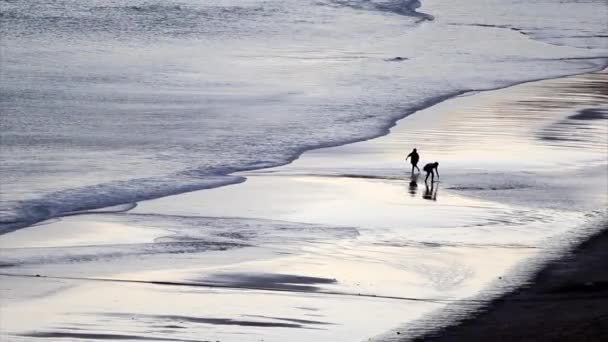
{"points": [[574, 270], [339, 219], [11, 226]]}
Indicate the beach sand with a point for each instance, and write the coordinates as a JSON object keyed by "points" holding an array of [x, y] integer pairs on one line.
{"points": [[341, 244], [566, 301]]}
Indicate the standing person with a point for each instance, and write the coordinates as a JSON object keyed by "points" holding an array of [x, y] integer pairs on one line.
{"points": [[430, 169], [415, 158]]}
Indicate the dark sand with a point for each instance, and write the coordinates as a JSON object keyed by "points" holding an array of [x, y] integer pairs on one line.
{"points": [[566, 301]]}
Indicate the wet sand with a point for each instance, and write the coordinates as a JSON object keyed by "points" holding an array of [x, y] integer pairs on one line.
{"points": [[566, 301], [340, 245], [564, 294]]}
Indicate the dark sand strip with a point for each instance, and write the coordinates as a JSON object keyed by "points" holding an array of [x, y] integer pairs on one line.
{"points": [[441, 300], [94, 337], [234, 287], [541, 310]]}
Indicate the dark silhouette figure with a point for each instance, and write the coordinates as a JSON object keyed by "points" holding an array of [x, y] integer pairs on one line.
{"points": [[430, 193], [413, 185], [431, 169], [415, 158]]}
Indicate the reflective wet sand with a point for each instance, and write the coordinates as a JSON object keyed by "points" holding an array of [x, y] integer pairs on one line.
{"points": [[341, 245]]}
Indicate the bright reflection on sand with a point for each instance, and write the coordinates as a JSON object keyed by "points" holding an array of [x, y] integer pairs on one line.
{"points": [[337, 246]]}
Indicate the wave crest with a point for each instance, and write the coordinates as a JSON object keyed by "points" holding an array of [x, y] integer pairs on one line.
{"points": [[401, 7]]}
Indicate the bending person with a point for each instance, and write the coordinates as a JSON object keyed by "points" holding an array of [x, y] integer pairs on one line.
{"points": [[431, 169]]}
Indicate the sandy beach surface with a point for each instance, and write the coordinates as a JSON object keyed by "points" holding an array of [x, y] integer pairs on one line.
{"points": [[340, 245], [565, 301]]}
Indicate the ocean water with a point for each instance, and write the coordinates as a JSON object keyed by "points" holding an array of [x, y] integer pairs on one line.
{"points": [[111, 102]]}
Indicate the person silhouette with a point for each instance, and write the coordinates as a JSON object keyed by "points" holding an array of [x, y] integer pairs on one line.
{"points": [[415, 158], [431, 169]]}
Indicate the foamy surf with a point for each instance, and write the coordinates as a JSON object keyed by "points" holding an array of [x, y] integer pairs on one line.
{"points": [[153, 98]]}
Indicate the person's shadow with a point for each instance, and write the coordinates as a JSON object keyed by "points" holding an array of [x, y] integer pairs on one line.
{"points": [[430, 193], [413, 185]]}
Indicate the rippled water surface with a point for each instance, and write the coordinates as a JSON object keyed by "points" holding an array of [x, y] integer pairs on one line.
{"points": [[109, 102]]}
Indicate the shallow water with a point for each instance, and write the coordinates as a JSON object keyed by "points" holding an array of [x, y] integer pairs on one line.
{"points": [[105, 102], [337, 246]]}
